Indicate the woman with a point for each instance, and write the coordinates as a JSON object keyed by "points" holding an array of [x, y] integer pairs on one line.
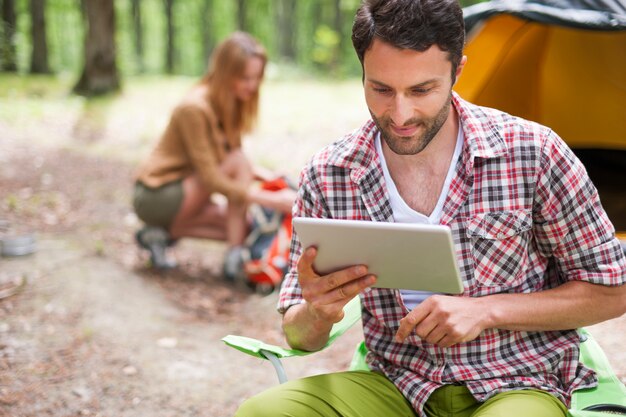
{"points": [[200, 154]]}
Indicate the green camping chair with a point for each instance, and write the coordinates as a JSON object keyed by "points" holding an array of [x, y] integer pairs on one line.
{"points": [[608, 398]]}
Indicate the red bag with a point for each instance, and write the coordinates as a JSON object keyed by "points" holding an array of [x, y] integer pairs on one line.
{"points": [[267, 272]]}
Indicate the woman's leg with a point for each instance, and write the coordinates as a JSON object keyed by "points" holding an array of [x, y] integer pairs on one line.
{"points": [[237, 167], [199, 217], [210, 223]]}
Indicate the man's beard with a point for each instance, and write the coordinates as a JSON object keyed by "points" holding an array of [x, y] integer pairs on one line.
{"points": [[419, 142]]}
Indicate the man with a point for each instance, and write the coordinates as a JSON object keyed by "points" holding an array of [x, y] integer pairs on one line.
{"points": [[537, 253]]}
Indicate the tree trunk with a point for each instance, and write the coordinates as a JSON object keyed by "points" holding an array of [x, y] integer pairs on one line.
{"points": [[338, 28], [242, 21], [138, 32], [39, 57], [9, 23], [286, 29], [169, 50], [100, 74], [208, 40], [317, 16]]}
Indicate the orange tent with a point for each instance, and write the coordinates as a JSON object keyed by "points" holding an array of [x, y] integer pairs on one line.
{"points": [[542, 64]]}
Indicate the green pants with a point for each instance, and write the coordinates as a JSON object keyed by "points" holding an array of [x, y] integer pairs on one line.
{"points": [[358, 394], [158, 206]]}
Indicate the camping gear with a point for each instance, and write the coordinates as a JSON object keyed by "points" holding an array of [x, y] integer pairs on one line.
{"points": [[560, 63], [18, 245], [261, 262], [14, 244]]}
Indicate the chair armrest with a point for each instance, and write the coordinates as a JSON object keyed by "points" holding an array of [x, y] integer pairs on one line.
{"points": [[610, 389], [253, 347]]}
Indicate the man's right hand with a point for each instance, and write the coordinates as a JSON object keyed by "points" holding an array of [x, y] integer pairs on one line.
{"points": [[327, 295], [307, 325]]}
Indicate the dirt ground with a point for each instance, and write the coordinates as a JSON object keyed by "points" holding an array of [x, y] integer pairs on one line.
{"points": [[93, 331]]}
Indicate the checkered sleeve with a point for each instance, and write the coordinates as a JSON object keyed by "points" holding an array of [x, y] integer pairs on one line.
{"points": [[570, 224], [309, 203]]}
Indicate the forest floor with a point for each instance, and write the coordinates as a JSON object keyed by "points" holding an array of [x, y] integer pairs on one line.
{"points": [[94, 331]]}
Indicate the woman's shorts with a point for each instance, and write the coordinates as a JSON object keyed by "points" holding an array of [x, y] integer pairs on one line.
{"points": [[158, 206]]}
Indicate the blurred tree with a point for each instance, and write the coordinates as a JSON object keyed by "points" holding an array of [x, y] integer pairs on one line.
{"points": [[207, 21], [242, 15], [317, 14], [39, 56], [285, 14], [328, 37], [9, 23], [99, 75], [138, 34], [169, 49], [167, 36], [338, 28]]}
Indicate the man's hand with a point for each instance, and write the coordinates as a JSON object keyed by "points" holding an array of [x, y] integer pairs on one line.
{"points": [[327, 295], [445, 320], [308, 325]]}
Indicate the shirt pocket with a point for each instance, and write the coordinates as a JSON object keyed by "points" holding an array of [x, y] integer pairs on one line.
{"points": [[500, 247]]}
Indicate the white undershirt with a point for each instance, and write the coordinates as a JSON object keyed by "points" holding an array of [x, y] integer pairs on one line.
{"points": [[402, 213]]}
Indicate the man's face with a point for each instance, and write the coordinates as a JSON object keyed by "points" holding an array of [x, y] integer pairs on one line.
{"points": [[408, 94]]}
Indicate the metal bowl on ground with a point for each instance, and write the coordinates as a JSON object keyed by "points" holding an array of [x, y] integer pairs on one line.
{"points": [[18, 245]]}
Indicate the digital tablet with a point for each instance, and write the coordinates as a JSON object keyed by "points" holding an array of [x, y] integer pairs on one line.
{"points": [[402, 255]]}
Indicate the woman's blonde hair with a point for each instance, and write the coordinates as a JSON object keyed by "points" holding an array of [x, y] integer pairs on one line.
{"points": [[228, 63]]}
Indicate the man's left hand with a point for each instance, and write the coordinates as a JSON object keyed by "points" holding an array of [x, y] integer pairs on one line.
{"points": [[445, 320]]}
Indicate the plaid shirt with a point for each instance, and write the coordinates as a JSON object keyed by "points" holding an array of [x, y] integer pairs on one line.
{"points": [[524, 217]]}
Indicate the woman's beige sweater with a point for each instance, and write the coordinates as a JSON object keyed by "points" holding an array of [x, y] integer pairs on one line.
{"points": [[192, 143]]}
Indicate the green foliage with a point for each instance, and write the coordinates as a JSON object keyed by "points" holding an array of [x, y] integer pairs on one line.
{"points": [[11, 202], [320, 45], [99, 250], [326, 46]]}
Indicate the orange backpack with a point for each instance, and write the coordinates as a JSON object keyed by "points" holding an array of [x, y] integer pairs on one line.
{"points": [[266, 258]]}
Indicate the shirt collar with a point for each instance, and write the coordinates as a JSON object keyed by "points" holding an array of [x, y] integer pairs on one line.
{"points": [[357, 152], [483, 134]]}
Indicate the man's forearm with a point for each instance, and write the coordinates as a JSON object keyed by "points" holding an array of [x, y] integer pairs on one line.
{"points": [[569, 306], [304, 331]]}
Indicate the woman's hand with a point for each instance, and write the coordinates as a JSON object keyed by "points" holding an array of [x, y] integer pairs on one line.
{"points": [[263, 174], [281, 200]]}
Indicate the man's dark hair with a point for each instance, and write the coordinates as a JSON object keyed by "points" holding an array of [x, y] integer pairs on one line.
{"points": [[411, 24]]}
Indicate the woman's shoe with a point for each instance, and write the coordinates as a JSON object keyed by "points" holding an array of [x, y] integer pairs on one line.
{"points": [[232, 269], [156, 240]]}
